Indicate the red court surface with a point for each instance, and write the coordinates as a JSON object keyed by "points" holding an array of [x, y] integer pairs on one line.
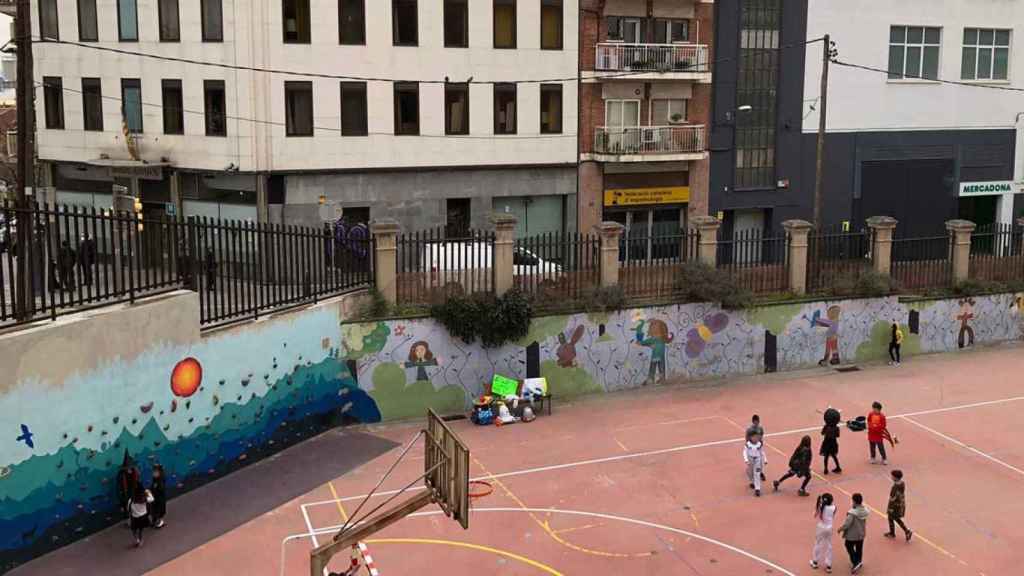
{"points": [[652, 482]]}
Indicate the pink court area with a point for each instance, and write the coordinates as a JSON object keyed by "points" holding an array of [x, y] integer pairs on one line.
{"points": [[653, 482]]}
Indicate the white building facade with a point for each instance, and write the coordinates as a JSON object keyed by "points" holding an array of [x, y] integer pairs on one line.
{"points": [[434, 112]]}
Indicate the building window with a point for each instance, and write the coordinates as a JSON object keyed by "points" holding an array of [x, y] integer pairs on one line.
{"points": [[48, 19], [131, 104], [53, 100], [215, 108], [296, 21], [550, 24], [628, 30], [457, 217], [504, 23], [986, 54], [352, 22], [407, 108], [127, 21], [671, 31], [551, 108], [668, 111], [87, 27], [621, 115], [504, 108], [756, 86], [173, 107], [914, 52], [170, 27], [92, 104], [213, 20], [353, 109], [456, 108], [298, 101], [456, 24], [405, 22]]}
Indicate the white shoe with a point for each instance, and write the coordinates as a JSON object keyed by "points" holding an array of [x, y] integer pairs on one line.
{"points": [[814, 565], [856, 568]]}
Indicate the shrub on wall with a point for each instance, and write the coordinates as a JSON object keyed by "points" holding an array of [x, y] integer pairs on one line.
{"points": [[495, 321], [698, 282], [603, 299], [867, 283]]}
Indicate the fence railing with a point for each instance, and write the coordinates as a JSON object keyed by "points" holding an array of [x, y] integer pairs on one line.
{"points": [[755, 261], [922, 263], [649, 265], [620, 56], [557, 266], [996, 253], [649, 139], [834, 257], [81, 258], [432, 265]]}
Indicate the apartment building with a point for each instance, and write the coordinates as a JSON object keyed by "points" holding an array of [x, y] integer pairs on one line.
{"points": [[644, 101], [433, 112], [900, 140]]}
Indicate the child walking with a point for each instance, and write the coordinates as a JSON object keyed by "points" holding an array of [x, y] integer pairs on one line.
{"points": [[138, 509], [897, 506], [894, 345], [825, 512], [877, 432], [853, 531], [754, 456], [799, 466], [158, 488], [830, 439], [756, 428]]}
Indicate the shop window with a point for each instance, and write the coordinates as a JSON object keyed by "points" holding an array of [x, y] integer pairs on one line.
{"points": [[504, 108], [986, 54], [550, 24], [405, 22], [551, 108], [298, 98], [456, 24], [53, 100], [504, 23], [87, 26], [215, 108], [914, 52], [173, 107], [296, 21], [352, 22], [407, 108], [92, 104], [169, 21], [456, 108], [353, 109]]}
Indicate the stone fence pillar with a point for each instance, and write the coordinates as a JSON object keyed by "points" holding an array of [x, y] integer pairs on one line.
{"points": [[708, 248], [960, 233], [882, 228], [797, 231], [504, 247], [610, 233], [385, 232]]}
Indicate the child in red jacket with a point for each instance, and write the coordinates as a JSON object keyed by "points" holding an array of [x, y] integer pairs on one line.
{"points": [[878, 433]]}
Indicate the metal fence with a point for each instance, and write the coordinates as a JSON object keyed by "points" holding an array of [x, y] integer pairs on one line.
{"points": [[649, 265], [837, 257], [557, 266], [921, 263], [82, 258], [996, 253], [432, 265], [755, 261]]}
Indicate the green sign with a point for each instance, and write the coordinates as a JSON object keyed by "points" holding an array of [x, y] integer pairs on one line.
{"points": [[502, 386], [986, 188]]}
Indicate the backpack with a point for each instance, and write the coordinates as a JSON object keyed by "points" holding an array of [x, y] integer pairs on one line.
{"points": [[859, 424]]}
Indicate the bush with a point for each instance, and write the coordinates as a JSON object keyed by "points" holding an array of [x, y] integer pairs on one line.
{"points": [[603, 299], [698, 282], [867, 283], [976, 287], [495, 321], [375, 307]]}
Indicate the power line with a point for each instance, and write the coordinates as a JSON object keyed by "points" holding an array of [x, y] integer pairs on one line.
{"points": [[936, 80]]}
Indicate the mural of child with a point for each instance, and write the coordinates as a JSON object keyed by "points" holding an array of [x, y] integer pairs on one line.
{"points": [[658, 338], [831, 324], [420, 357], [965, 315]]}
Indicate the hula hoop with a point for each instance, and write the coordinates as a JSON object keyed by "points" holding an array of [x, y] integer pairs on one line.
{"points": [[487, 489]]}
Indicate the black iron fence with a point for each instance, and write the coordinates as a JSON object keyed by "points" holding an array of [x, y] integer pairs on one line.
{"points": [[649, 265], [557, 266], [922, 263], [755, 261], [432, 265], [997, 253], [837, 257], [77, 258]]}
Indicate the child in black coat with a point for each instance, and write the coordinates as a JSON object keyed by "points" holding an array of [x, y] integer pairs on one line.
{"points": [[799, 466], [830, 440], [158, 488]]}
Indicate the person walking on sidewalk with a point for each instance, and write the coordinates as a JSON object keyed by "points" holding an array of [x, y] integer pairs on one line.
{"points": [[894, 345], [754, 457], [853, 531], [158, 488], [877, 432], [799, 466], [897, 506], [756, 428], [825, 513], [138, 509]]}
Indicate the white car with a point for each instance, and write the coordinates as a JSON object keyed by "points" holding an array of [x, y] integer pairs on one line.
{"points": [[470, 265]]}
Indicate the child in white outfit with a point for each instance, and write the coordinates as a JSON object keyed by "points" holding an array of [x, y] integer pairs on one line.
{"points": [[825, 513], [753, 455]]}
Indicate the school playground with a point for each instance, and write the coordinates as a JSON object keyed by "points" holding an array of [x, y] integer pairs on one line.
{"points": [[642, 482]]}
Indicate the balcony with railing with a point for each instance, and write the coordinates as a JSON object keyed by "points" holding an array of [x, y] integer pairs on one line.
{"points": [[679, 61], [648, 143]]}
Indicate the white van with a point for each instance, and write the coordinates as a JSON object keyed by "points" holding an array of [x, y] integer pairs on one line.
{"points": [[469, 264]]}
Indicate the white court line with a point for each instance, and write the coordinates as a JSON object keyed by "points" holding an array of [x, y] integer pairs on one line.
{"points": [[625, 519], [661, 451], [312, 533], [965, 446]]}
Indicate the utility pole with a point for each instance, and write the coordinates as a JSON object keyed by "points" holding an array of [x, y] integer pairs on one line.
{"points": [[26, 159], [819, 173]]}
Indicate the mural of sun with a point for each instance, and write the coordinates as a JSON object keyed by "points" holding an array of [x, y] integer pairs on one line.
{"points": [[186, 377]]}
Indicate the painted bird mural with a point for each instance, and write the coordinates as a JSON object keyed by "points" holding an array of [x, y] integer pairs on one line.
{"points": [[26, 437], [700, 335]]}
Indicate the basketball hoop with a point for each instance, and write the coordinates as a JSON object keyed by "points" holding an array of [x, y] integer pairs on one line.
{"points": [[485, 490]]}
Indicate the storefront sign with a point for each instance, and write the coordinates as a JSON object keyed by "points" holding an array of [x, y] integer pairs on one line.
{"points": [[986, 188], [140, 171], [638, 196]]}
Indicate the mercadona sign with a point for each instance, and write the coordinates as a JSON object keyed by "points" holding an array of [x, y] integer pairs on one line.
{"points": [[986, 188]]}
